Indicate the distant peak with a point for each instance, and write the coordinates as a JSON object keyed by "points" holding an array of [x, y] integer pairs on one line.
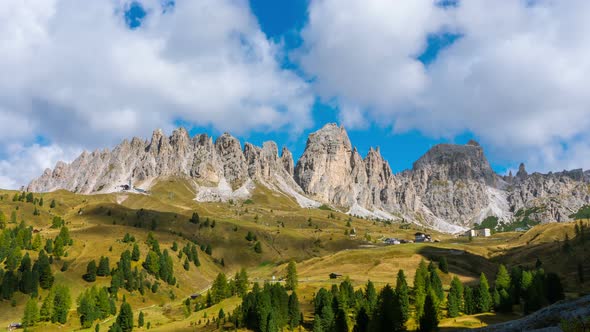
{"points": [[522, 173], [473, 143]]}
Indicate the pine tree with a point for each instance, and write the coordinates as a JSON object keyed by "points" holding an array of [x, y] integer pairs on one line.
{"points": [[403, 297], [429, 320], [103, 267], [258, 247], [341, 322], [294, 312], [61, 304], [135, 253], [317, 324], [370, 296], [362, 321], [52, 204], [219, 289], [387, 314], [242, 282], [195, 218], [455, 297], [420, 287], [484, 303], [186, 264], [31, 315], [125, 317], [90, 275], [140, 319], [468, 301], [291, 277], [436, 285], [152, 263], [87, 310], [43, 268], [443, 265], [502, 278], [47, 307]]}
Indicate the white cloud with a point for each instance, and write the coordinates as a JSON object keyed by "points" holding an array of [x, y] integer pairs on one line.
{"points": [[517, 78], [74, 73], [26, 162]]}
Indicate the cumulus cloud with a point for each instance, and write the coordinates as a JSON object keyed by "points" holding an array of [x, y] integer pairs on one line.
{"points": [[517, 78], [26, 162], [74, 73]]}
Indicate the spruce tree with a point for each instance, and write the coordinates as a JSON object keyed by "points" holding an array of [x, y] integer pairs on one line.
{"points": [[242, 282], [484, 303], [294, 312], [502, 278], [140, 319], [468, 301], [403, 297], [31, 314], [194, 218], [362, 320], [87, 310], [135, 253], [429, 319], [455, 297], [61, 304], [317, 324], [436, 285], [90, 275], [186, 264], [47, 307], [103, 267], [125, 317], [443, 265], [370, 296], [341, 321], [43, 269], [387, 314], [420, 287], [291, 277], [52, 204]]}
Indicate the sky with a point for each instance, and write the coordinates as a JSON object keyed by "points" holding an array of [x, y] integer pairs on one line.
{"points": [[403, 75]]}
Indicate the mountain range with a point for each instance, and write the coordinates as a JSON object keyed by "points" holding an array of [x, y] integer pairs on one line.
{"points": [[449, 188]]}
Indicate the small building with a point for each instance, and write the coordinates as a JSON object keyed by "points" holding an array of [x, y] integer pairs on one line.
{"points": [[195, 296], [335, 275], [484, 232], [422, 237]]}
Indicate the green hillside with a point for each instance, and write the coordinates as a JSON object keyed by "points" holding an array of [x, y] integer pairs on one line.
{"points": [[260, 235]]}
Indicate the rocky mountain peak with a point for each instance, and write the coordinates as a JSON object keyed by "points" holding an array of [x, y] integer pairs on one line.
{"points": [[448, 188], [522, 173], [287, 160], [457, 162]]}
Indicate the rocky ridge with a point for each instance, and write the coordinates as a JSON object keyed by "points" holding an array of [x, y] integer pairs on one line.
{"points": [[449, 188]]}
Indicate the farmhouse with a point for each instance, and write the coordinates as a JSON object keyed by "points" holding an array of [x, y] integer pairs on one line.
{"points": [[485, 232], [422, 237]]}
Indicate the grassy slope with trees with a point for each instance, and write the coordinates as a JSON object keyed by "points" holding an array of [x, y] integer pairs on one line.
{"points": [[202, 240]]}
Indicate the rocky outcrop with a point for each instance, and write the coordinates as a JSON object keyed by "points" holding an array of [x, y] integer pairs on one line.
{"points": [[449, 188], [548, 318]]}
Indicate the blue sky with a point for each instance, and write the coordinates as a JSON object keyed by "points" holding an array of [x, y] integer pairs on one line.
{"points": [[282, 21], [401, 75]]}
